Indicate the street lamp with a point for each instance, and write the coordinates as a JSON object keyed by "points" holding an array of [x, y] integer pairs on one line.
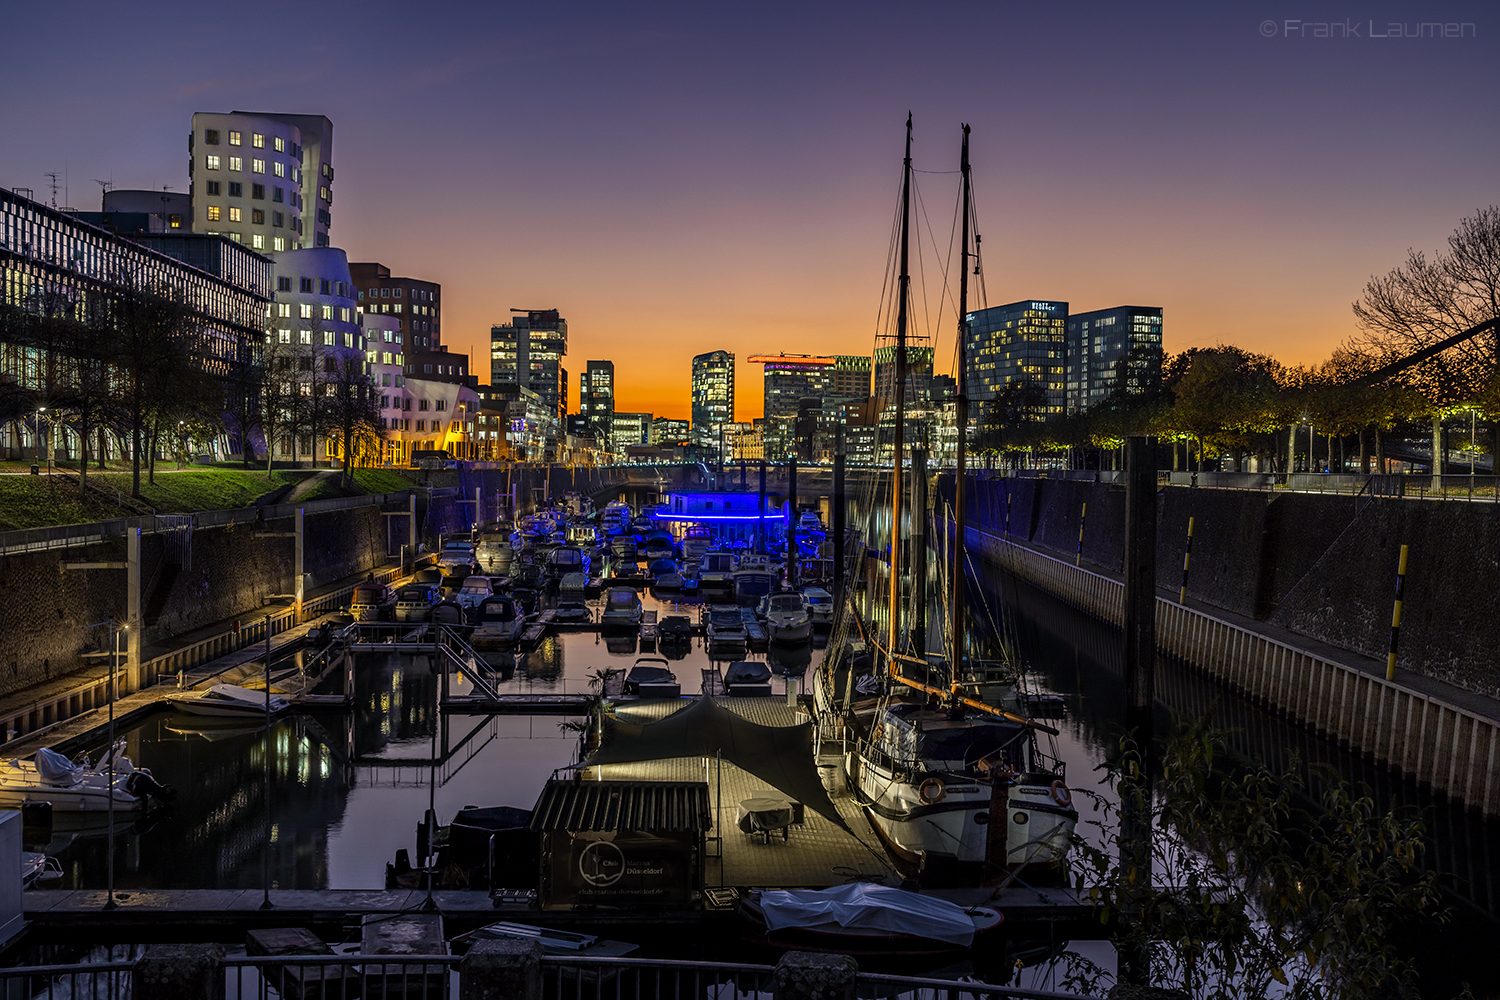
{"points": [[38, 424]]}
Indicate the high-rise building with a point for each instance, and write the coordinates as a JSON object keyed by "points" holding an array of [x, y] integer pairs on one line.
{"points": [[849, 376], [528, 351], [1099, 341], [1020, 342], [596, 396], [791, 378], [918, 371], [416, 306], [713, 399], [670, 430], [262, 180], [630, 430]]}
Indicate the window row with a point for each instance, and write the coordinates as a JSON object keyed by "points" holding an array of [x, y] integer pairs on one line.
{"points": [[212, 161], [214, 189], [330, 338], [257, 139]]}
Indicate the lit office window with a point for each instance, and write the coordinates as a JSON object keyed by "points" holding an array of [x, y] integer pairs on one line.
{"points": [[348, 340], [279, 243], [211, 162], [306, 336], [306, 310], [234, 138], [327, 310], [257, 140], [284, 309], [328, 338], [280, 144], [236, 215], [257, 166], [279, 168], [284, 336], [213, 213], [258, 242], [236, 163]]}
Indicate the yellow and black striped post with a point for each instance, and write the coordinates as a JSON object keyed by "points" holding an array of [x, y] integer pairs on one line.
{"points": [[1009, 496], [1187, 554], [1390, 658], [1083, 516]]}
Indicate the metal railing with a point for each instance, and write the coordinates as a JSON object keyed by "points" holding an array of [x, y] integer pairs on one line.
{"points": [[437, 977]]}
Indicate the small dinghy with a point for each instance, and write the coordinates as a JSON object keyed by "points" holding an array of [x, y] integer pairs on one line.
{"points": [[229, 700], [862, 918]]}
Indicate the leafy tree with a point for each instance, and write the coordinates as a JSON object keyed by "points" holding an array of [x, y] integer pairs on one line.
{"points": [[1241, 889]]}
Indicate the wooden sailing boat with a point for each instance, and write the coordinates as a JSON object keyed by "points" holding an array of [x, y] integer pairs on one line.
{"points": [[944, 777]]}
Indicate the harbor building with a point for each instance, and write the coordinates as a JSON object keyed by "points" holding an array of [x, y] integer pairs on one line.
{"points": [[630, 430], [528, 352], [596, 397], [263, 180], [670, 430], [50, 261], [1099, 341], [1021, 342], [713, 400]]}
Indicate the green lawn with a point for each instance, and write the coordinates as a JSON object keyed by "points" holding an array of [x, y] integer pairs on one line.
{"points": [[35, 501]]}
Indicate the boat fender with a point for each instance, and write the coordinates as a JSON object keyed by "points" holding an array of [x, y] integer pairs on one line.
{"points": [[931, 791], [1061, 795]]}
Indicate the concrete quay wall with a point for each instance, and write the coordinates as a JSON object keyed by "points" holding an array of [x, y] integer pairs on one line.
{"points": [[1320, 565], [1439, 744]]}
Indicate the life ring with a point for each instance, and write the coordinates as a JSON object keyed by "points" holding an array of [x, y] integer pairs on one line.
{"points": [[1061, 795], [931, 791]]}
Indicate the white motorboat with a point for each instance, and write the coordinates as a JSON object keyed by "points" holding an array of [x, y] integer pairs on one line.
{"points": [[716, 572], [726, 628], [229, 700], [819, 605], [79, 787], [622, 608], [571, 610], [786, 617], [498, 623], [752, 582]]}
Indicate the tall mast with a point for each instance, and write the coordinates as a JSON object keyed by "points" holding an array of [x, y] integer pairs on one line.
{"points": [[961, 419], [902, 286]]}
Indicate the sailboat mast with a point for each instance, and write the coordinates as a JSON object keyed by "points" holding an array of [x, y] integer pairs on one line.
{"points": [[961, 420], [902, 286]]}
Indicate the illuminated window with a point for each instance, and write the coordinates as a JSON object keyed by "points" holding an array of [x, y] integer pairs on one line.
{"points": [[280, 144], [258, 241], [279, 243], [284, 336], [235, 162], [306, 336], [211, 162], [257, 166], [344, 313], [279, 168], [213, 213], [306, 310], [328, 312], [174, 221], [234, 138], [348, 340], [236, 215], [328, 338], [257, 140], [284, 308]]}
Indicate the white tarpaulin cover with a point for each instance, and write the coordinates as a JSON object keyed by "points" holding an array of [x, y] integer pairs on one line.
{"points": [[867, 908], [56, 769]]}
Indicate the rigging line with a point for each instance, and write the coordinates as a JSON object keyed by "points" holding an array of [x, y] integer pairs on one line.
{"points": [[916, 170], [981, 293], [890, 263], [932, 337]]}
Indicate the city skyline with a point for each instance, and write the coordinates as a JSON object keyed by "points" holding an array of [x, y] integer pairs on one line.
{"points": [[703, 181]]}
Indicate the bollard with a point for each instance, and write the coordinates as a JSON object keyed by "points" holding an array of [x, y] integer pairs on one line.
{"points": [[1008, 497], [507, 969], [804, 975], [1390, 658], [180, 972], [1187, 553], [1083, 517]]}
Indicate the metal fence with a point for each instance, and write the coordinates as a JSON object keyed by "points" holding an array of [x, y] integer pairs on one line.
{"points": [[437, 977]]}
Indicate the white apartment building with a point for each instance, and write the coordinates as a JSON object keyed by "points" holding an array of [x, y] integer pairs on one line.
{"points": [[265, 181]]}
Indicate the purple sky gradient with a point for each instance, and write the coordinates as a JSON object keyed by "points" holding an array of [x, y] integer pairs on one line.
{"points": [[683, 178]]}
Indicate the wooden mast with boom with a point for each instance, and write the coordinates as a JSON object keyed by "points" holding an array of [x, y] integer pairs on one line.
{"points": [[961, 421]]}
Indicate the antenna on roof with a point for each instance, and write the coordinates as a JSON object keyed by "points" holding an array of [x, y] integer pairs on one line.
{"points": [[54, 175]]}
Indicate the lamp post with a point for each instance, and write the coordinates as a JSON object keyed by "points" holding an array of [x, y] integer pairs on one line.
{"points": [[38, 425]]}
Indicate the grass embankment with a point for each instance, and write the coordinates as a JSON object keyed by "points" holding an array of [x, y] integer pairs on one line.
{"points": [[37, 501]]}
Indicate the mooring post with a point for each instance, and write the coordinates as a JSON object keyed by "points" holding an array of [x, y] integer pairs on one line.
{"points": [[1390, 657], [1083, 517], [838, 519], [791, 528], [1187, 554], [1140, 695]]}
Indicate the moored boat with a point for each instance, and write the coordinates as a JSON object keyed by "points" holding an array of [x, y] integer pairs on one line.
{"points": [[229, 701], [866, 919]]}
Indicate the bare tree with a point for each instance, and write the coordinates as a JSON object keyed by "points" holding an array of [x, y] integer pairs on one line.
{"points": [[1425, 300], [352, 404]]}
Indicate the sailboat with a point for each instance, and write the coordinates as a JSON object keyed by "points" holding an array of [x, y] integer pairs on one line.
{"points": [[945, 777]]}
